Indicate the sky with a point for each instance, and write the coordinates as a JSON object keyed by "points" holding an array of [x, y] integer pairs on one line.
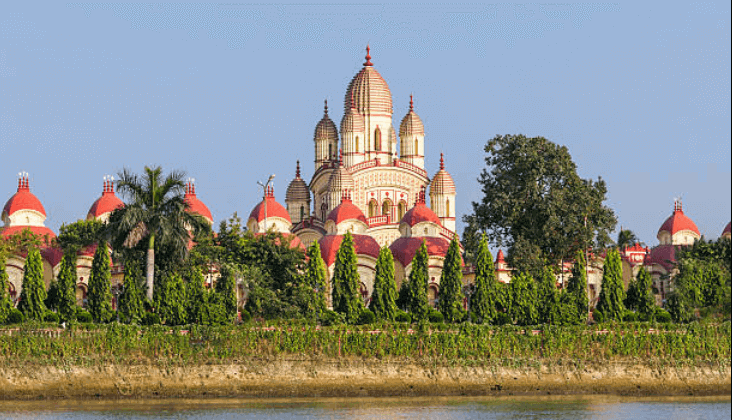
{"points": [[231, 92]]}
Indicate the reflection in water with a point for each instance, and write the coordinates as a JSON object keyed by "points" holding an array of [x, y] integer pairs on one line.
{"points": [[502, 408]]}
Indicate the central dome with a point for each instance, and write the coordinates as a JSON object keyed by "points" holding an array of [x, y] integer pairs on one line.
{"points": [[368, 92]]}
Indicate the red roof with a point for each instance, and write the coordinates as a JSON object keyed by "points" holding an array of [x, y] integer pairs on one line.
{"points": [[404, 249], [38, 230], [664, 255], [23, 200], [107, 202], [274, 209], [500, 258], [727, 228], [52, 255], [420, 213], [295, 241], [678, 222], [363, 244], [346, 211], [196, 206]]}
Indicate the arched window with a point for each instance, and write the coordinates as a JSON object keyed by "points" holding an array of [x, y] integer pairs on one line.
{"points": [[416, 146], [330, 151], [377, 139], [386, 208], [402, 209], [323, 211], [433, 295], [373, 206], [447, 208], [358, 147], [81, 295], [302, 213]]}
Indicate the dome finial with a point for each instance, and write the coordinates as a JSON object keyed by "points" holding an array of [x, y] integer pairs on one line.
{"points": [[326, 107], [677, 204], [297, 171], [368, 57], [411, 103], [442, 161]]}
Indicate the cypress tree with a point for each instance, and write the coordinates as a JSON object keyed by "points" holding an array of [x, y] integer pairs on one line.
{"points": [[197, 297], [5, 304], [483, 301], [346, 297], [646, 302], [612, 294], [523, 300], [52, 296], [383, 300], [418, 303], [315, 278], [547, 298], [33, 295], [100, 295], [67, 287], [225, 293], [130, 301], [173, 308], [451, 293], [577, 290]]}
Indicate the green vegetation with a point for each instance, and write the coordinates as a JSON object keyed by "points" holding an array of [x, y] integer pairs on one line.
{"points": [[485, 299], [33, 295], [5, 304], [346, 296], [612, 294], [130, 300], [451, 293], [419, 306], [383, 299], [100, 296]]}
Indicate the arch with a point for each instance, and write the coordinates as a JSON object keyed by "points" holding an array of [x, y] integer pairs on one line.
{"points": [[386, 207], [377, 139], [364, 291], [416, 146], [323, 211], [12, 292], [302, 213], [433, 295], [81, 292], [373, 208], [330, 151], [402, 209], [447, 208], [358, 146]]}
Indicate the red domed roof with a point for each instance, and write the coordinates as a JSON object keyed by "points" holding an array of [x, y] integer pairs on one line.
{"points": [[678, 222], [664, 255], [500, 258], [726, 230], [274, 209], [363, 244], [368, 92], [196, 206], [404, 249], [420, 213], [23, 200], [346, 211], [41, 231], [107, 202]]}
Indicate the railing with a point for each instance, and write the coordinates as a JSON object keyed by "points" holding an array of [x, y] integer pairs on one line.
{"points": [[401, 164], [446, 233], [378, 220]]}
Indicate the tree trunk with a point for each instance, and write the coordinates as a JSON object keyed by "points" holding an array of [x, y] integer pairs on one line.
{"points": [[150, 272]]}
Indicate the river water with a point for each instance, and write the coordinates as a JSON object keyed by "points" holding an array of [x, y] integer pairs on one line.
{"points": [[503, 408]]}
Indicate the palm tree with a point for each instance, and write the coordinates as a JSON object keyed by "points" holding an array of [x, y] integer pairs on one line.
{"points": [[626, 238], [157, 212]]}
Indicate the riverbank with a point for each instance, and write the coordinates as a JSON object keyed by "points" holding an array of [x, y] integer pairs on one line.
{"points": [[354, 378]]}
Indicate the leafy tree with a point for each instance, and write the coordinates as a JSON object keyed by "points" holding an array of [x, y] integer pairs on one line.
{"points": [[484, 300], [5, 303], [645, 303], [523, 300], [626, 238], [197, 297], [577, 291], [67, 287], [315, 279], [548, 305], [383, 300], [403, 301], [100, 296], [346, 296], [53, 296], [173, 300], [451, 294], [531, 191], [131, 306], [418, 304], [75, 236], [156, 211], [33, 295], [612, 294], [226, 293]]}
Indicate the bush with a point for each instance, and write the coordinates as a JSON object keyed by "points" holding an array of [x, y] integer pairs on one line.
{"points": [[597, 316], [436, 317], [503, 318], [403, 317], [83, 317], [245, 316], [150, 318], [366, 317], [332, 318], [51, 316], [662, 316], [14, 317], [630, 316]]}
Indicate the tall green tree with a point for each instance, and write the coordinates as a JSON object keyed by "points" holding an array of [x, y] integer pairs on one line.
{"points": [[315, 279], [612, 293], [577, 290], [156, 213], [626, 238], [383, 300], [226, 291], [33, 295], [131, 306], [197, 296], [646, 302], [522, 291], [547, 299], [5, 303], [67, 287], [346, 293], [484, 302], [451, 285], [99, 299], [418, 281], [173, 308], [531, 191]]}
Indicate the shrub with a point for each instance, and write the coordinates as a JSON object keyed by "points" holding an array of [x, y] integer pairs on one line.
{"points": [[50, 316], [150, 318], [597, 316], [83, 316], [15, 316], [245, 316], [436, 317], [403, 317], [332, 318], [366, 317], [630, 316], [503, 318], [662, 316]]}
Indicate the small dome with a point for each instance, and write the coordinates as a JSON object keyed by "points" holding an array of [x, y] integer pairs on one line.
{"points": [[368, 92], [500, 258], [274, 209], [340, 180], [411, 123], [23, 199], [352, 122], [677, 222], [346, 211], [363, 245], [298, 189], [442, 182], [194, 204], [107, 203], [326, 128], [726, 230], [40, 231], [420, 213], [404, 249]]}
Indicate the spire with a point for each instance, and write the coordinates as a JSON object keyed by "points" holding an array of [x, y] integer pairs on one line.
{"points": [[368, 57], [326, 107], [420, 197], [23, 184], [297, 171], [269, 192], [346, 196], [191, 187], [411, 103], [677, 205], [442, 161], [108, 185]]}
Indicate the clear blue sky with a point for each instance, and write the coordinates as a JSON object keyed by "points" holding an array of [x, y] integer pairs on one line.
{"points": [[640, 94]]}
